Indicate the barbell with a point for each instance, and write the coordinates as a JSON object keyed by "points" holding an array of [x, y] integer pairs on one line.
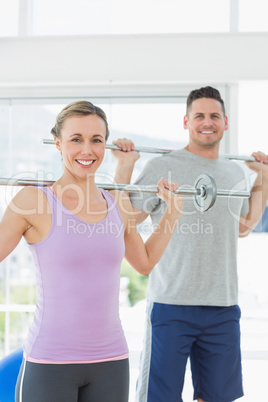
{"points": [[204, 191], [149, 150]]}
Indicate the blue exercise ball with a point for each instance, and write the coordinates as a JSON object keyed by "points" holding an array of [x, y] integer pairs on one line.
{"points": [[9, 371]]}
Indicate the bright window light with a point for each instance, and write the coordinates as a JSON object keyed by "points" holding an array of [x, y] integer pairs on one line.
{"points": [[9, 12], [253, 15], [252, 135], [65, 17]]}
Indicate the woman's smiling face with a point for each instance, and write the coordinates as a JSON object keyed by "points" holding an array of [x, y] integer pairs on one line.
{"points": [[82, 144]]}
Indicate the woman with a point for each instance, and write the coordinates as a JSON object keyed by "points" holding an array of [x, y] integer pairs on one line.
{"points": [[78, 235]]}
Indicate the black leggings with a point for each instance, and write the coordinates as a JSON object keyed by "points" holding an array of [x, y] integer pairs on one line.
{"points": [[94, 382]]}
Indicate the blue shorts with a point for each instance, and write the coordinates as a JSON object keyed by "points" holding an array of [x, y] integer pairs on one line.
{"points": [[210, 336]]}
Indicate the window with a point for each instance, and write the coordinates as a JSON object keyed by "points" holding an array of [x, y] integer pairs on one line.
{"points": [[252, 250], [9, 17], [252, 103], [253, 16], [62, 17], [105, 17]]}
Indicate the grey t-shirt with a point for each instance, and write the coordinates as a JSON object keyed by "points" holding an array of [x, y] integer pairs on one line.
{"points": [[199, 266]]}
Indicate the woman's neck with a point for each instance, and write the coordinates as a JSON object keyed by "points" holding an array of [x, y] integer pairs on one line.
{"points": [[74, 187]]}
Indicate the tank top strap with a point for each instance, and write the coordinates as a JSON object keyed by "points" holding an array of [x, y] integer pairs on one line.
{"points": [[50, 196], [113, 211], [52, 201]]}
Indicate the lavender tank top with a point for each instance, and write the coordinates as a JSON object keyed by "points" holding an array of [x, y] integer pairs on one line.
{"points": [[78, 280]]}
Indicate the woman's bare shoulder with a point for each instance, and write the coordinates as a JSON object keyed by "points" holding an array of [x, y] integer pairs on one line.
{"points": [[28, 200]]}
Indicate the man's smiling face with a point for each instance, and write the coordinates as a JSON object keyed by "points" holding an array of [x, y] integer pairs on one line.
{"points": [[206, 123]]}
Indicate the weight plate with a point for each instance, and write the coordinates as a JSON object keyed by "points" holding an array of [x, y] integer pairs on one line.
{"points": [[207, 185]]}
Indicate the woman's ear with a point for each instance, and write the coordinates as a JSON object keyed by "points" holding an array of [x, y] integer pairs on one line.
{"points": [[57, 143]]}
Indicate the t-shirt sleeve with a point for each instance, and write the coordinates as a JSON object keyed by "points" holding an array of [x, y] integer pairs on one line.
{"points": [[246, 184], [143, 201], [245, 207]]}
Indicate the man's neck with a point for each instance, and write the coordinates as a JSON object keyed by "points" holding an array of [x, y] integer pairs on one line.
{"points": [[210, 153]]}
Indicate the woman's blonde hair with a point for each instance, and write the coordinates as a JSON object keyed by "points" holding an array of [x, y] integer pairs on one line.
{"points": [[79, 108]]}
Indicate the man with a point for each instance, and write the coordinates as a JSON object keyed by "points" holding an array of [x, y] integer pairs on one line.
{"points": [[192, 293]]}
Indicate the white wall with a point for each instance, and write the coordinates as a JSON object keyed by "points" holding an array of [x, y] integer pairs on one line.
{"points": [[71, 64]]}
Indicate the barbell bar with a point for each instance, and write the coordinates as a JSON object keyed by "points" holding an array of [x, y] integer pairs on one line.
{"points": [[149, 150], [204, 191]]}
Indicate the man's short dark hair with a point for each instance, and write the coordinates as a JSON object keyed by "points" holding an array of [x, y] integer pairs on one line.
{"points": [[205, 92]]}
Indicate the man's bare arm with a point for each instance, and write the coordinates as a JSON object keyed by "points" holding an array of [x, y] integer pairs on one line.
{"points": [[126, 160], [259, 195]]}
